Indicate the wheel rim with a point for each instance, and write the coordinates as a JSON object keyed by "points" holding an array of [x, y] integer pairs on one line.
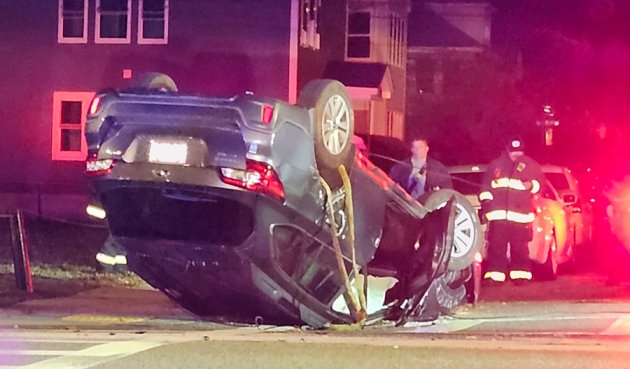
{"points": [[335, 124], [464, 237]]}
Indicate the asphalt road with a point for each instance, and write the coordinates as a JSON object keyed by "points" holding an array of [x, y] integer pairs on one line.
{"points": [[574, 322]]}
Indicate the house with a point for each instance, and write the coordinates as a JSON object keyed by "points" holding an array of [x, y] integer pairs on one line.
{"points": [[58, 53], [443, 33], [450, 65]]}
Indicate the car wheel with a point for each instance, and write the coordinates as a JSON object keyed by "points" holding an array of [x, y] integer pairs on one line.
{"points": [[468, 237], [548, 271], [333, 126], [154, 81]]}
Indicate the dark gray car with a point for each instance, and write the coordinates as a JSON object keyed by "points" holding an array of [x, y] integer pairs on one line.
{"points": [[220, 204]]}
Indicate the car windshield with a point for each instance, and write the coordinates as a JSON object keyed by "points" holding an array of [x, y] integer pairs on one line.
{"points": [[467, 183], [558, 180]]}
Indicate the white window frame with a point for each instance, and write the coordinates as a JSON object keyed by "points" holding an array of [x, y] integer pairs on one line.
{"points": [[310, 23], [72, 40], [397, 40], [152, 41], [368, 35], [108, 40], [85, 97]]}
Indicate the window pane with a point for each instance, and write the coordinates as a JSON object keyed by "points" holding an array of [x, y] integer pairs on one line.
{"points": [[359, 23], [358, 47], [113, 5], [70, 112], [73, 5], [70, 140], [114, 26], [558, 180], [153, 29], [153, 5], [467, 183], [72, 27]]}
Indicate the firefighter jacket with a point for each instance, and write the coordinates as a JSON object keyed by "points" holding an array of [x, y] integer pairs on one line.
{"points": [[505, 195]]}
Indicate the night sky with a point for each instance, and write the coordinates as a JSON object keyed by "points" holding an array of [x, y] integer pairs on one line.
{"points": [[575, 57]]}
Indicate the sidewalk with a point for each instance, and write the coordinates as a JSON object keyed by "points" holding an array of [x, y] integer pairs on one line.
{"points": [[102, 308]]}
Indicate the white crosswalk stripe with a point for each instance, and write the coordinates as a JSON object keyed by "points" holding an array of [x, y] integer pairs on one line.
{"points": [[47, 351]]}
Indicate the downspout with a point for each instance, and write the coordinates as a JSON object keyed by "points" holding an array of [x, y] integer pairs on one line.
{"points": [[293, 51]]}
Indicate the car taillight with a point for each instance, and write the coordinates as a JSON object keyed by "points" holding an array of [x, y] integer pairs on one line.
{"points": [[258, 177], [94, 167], [266, 114], [95, 105]]}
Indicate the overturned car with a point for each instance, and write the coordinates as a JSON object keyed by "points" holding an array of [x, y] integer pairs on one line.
{"points": [[251, 209]]}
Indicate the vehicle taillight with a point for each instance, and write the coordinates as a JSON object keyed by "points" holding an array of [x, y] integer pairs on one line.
{"points": [[94, 167], [95, 105], [266, 114], [258, 177]]}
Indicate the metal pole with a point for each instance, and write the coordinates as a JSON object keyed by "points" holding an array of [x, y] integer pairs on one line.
{"points": [[24, 254]]}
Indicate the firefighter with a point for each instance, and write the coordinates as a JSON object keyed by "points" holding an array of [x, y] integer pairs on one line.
{"points": [[112, 257], [419, 173], [507, 194]]}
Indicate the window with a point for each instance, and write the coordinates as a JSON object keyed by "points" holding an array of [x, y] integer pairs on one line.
{"points": [[309, 23], [395, 124], [68, 122], [397, 40], [72, 22], [153, 22], [113, 21], [358, 42]]}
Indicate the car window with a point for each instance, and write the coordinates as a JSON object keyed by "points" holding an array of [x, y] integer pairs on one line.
{"points": [[547, 193], [558, 180], [467, 183]]}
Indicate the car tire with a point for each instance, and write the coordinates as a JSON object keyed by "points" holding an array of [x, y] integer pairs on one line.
{"points": [[154, 81], [332, 127], [548, 271], [468, 238]]}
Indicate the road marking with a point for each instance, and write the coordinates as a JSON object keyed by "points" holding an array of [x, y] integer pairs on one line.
{"points": [[621, 326], [81, 359], [105, 319]]}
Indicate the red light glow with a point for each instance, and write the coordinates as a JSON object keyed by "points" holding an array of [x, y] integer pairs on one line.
{"points": [[258, 177], [266, 115]]}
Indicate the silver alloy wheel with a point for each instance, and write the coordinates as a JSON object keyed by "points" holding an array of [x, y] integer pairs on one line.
{"points": [[335, 125], [464, 239]]}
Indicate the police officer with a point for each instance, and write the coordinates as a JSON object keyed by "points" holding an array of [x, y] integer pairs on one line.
{"points": [[507, 194], [419, 173]]}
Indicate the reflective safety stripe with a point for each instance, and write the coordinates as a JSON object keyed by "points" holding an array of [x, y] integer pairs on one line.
{"points": [[512, 183], [500, 183], [535, 186], [512, 216], [111, 260], [120, 259], [486, 195], [520, 274], [495, 276], [95, 211]]}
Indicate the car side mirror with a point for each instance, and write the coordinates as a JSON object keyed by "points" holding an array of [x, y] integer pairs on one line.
{"points": [[569, 199]]}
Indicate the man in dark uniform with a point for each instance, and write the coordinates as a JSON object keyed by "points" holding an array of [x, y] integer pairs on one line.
{"points": [[507, 201], [419, 173]]}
